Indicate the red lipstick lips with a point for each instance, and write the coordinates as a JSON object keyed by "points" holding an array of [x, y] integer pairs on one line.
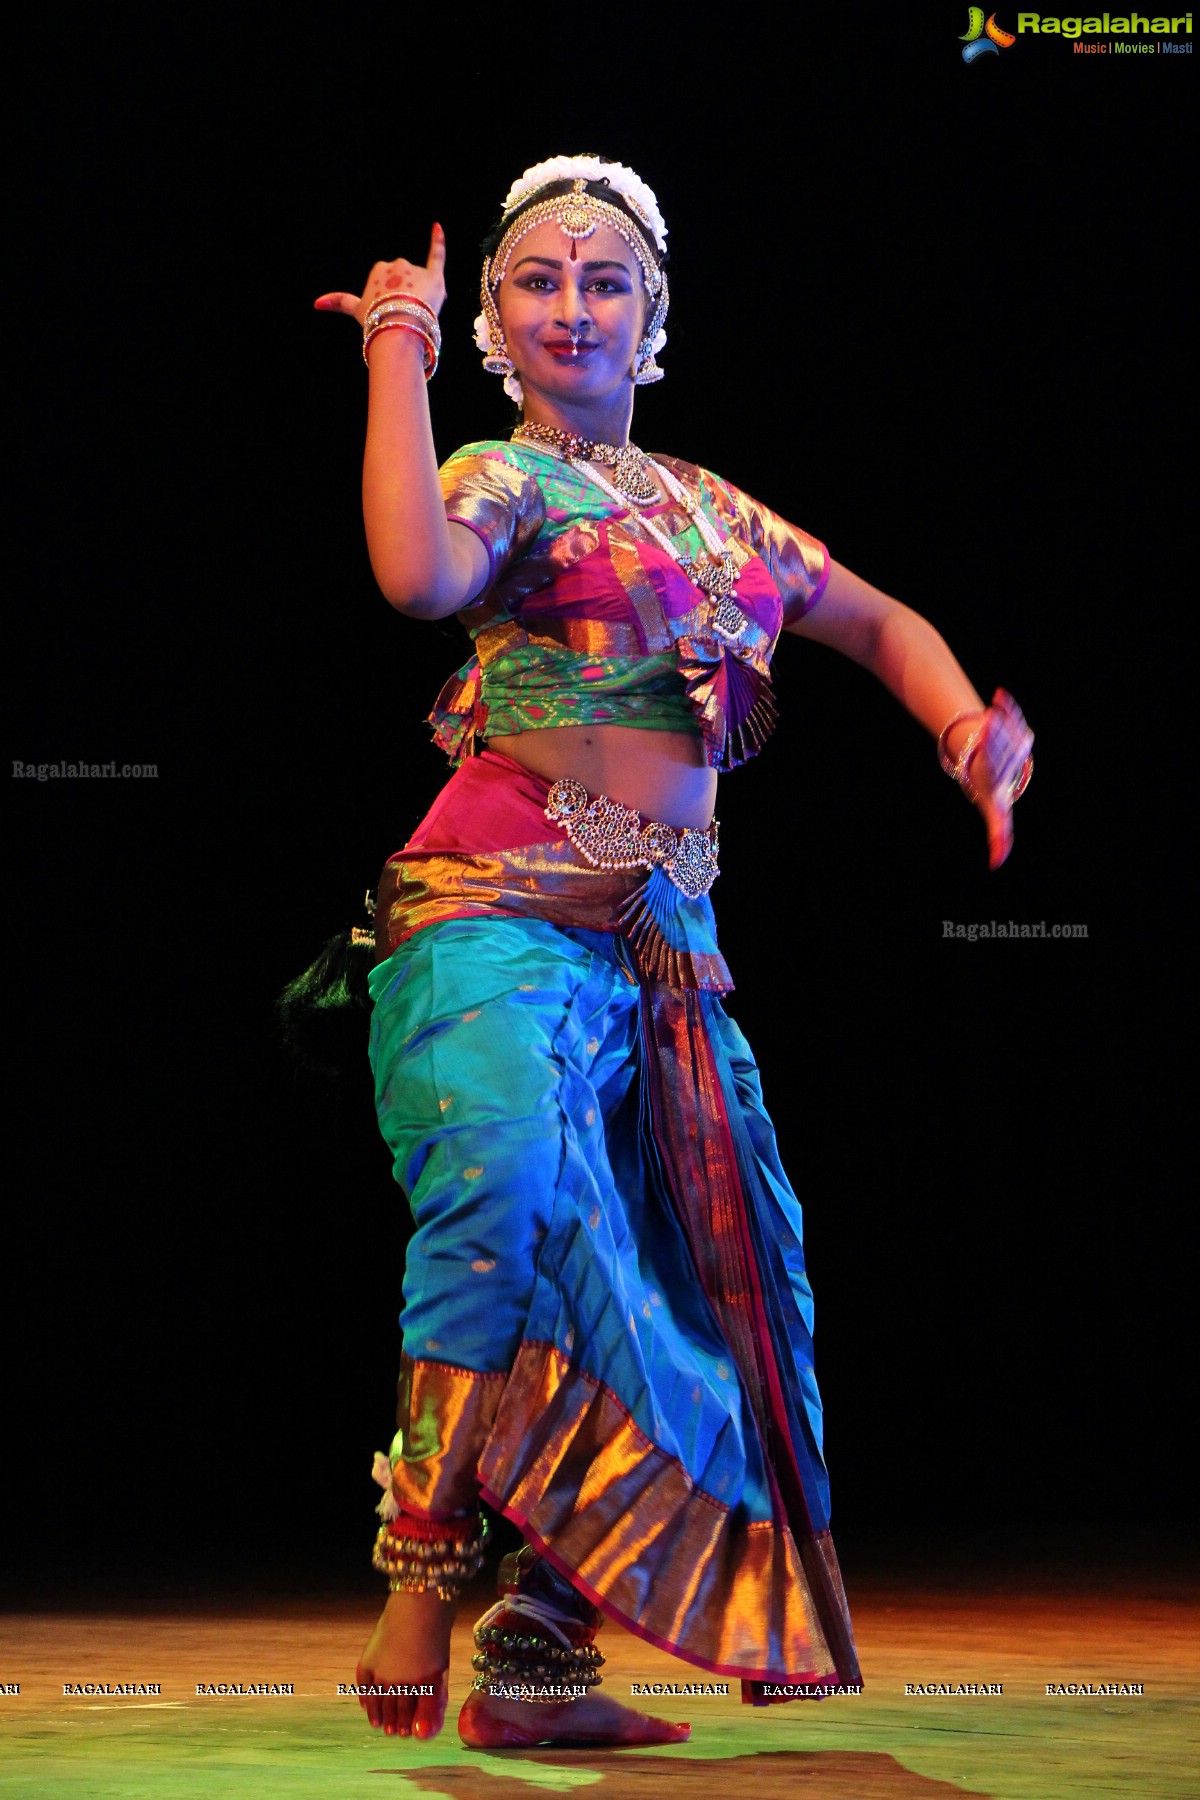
{"points": [[567, 351]]}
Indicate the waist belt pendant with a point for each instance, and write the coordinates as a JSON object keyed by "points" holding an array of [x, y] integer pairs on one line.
{"points": [[609, 835]]}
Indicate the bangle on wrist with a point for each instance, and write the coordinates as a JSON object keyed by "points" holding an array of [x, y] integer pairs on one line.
{"points": [[431, 348], [395, 310], [943, 754], [392, 300], [401, 308], [958, 768]]}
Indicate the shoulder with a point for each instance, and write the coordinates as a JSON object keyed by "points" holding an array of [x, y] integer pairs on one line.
{"points": [[494, 467], [484, 450], [486, 486], [518, 469]]}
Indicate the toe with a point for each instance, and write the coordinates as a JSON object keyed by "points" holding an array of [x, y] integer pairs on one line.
{"points": [[397, 1715], [430, 1711], [370, 1703]]}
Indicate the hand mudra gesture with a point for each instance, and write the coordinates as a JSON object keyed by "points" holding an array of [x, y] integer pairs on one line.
{"points": [[426, 282], [1005, 743]]}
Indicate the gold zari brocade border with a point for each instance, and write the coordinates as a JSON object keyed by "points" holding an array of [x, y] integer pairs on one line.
{"points": [[567, 1464], [537, 881], [587, 637], [443, 1415]]}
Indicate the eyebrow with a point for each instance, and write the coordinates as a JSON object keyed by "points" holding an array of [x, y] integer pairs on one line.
{"points": [[549, 262]]}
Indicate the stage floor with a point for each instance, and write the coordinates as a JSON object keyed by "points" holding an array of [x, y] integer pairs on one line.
{"points": [[887, 1744]]}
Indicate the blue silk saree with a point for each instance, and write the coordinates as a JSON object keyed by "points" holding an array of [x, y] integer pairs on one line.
{"points": [[607, 1324]]}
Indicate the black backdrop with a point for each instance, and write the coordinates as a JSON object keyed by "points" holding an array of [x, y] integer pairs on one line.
{"points": [[932, 312]]}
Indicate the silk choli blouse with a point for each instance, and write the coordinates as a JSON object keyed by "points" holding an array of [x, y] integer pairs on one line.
{"points": [[586, 619]]}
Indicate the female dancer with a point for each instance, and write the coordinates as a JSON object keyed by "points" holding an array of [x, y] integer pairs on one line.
{"points": [[606, 1325]]}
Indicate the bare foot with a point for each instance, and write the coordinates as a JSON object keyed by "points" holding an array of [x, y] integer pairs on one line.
{"points": [[409, 1647], [488, 1722]]}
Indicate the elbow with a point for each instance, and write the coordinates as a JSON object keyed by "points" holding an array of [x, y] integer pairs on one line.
{"points": [[401, 597], [406, 592], [893, 635]]}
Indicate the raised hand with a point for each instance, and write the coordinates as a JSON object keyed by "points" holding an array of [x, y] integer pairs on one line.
{"points": [[427, 283], [996, 768]]}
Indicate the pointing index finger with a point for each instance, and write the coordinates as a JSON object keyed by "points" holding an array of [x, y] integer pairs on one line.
{"points": [[437, 251]]}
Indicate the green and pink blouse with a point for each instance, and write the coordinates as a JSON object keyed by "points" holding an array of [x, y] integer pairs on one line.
{"points": [[587, 620]]}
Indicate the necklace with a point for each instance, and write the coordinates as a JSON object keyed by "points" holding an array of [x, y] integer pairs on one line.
{"points": [[717, 578], [626, 461]]}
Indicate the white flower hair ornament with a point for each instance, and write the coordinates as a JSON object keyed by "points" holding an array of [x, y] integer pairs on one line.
{"points": [[577, 215]]}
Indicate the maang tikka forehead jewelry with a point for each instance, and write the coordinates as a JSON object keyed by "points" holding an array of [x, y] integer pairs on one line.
{"points": [[577, 214]]}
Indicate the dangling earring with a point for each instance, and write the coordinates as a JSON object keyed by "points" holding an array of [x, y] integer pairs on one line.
{"points": [[497, 361], [489, 337], [645, 369]]}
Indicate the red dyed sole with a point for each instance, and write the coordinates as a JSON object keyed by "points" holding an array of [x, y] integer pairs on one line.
{"points": [[481, 1730]]}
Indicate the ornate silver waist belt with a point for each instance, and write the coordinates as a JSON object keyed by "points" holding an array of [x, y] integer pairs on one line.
{"points": [[610, 835]]}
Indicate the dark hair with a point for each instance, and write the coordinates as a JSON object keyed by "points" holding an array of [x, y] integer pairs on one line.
{"points": [[322, 1016], [599, 190]]}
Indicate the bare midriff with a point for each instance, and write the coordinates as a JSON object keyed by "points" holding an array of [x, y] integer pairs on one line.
{"points": [[661, 774]]}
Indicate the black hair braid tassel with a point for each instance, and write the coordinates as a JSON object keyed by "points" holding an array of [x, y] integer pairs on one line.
{"points": [[322, 1014]]}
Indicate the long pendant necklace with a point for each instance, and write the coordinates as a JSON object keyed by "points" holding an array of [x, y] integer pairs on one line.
{"points": [[717, 578]]}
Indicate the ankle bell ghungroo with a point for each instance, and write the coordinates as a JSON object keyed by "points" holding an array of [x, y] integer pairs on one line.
{"points": [[418, 1554], [536, 1643]]}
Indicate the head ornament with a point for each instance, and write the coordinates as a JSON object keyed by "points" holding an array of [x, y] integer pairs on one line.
{"points": [[577, 214]]}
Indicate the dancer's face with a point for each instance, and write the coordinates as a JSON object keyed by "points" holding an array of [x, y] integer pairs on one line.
{"points": [[573, 325]]}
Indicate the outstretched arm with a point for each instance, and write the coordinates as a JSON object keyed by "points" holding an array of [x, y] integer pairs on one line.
{"points": [[424, 565], [915, 663]]}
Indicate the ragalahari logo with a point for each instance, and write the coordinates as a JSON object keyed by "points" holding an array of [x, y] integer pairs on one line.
{"points": [[982, 39]]}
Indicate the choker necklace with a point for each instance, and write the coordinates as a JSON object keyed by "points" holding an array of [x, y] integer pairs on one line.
{"points": [[629, 465]]}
